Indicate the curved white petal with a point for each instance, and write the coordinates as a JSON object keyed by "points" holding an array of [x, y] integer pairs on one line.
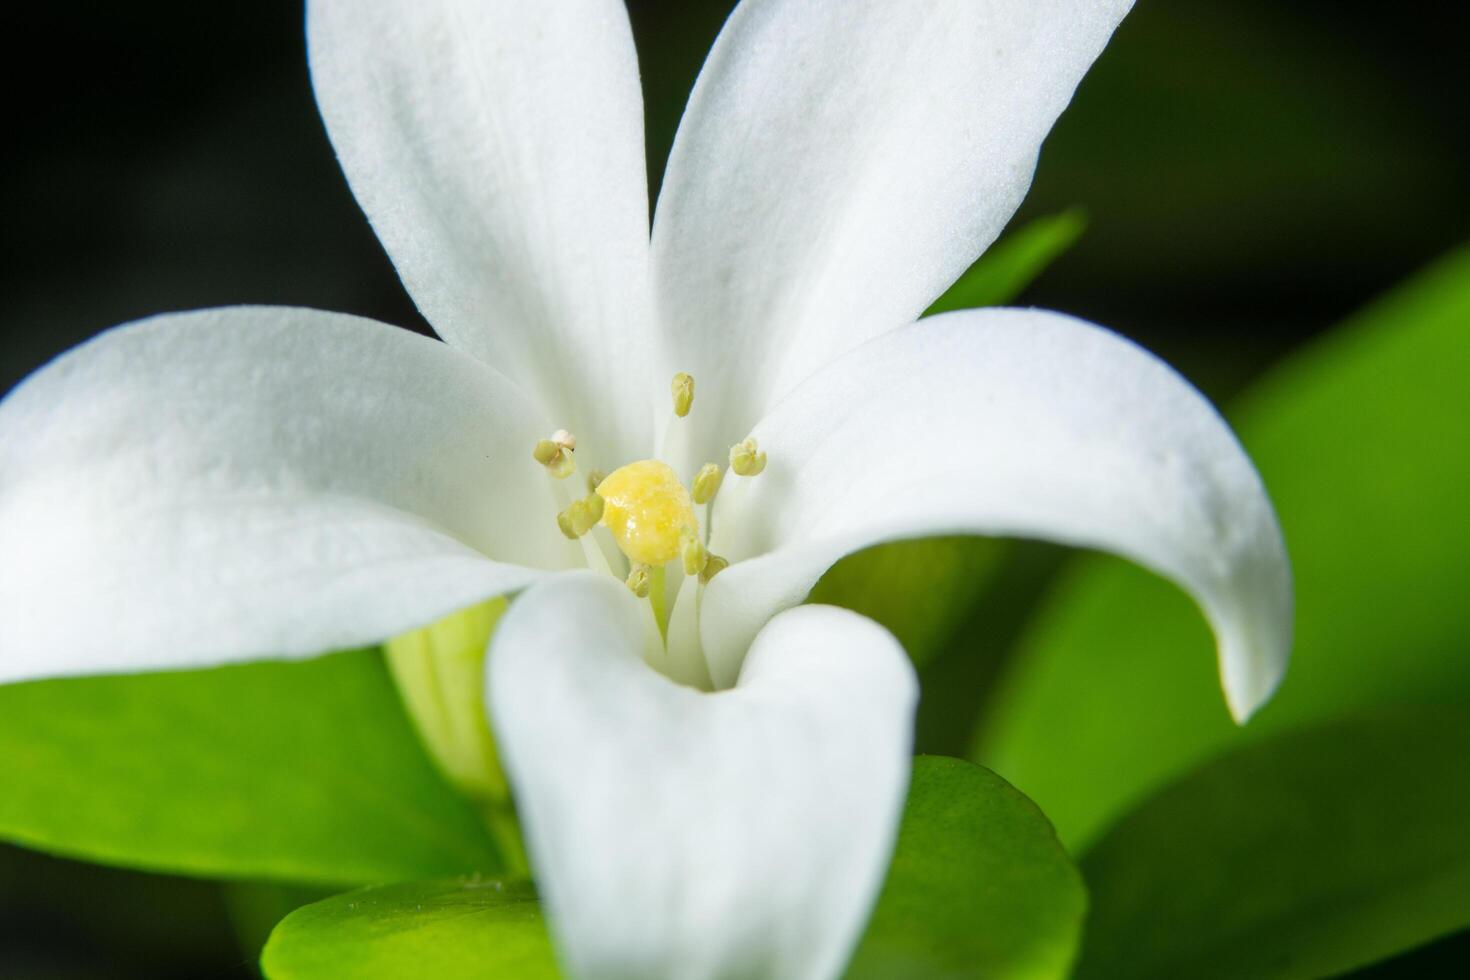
{"points": [[688, 835], [840, 163], [246, 482], [497, 148], [1007, 422]]}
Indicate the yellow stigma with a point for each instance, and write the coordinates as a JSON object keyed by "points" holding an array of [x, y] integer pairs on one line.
{"points": [[647, 510]]}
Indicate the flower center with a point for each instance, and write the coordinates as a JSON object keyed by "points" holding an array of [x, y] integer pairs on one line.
{"points": [[648, 511], [649, 514]]}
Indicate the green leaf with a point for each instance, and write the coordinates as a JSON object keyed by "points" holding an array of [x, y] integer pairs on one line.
{"points": [[1010, 265], [1304, 856], [979, 886], [1361, 442], [305, 772], [466, 929], [254, 908], [62, 919], [1238, 175], [920, 590]]}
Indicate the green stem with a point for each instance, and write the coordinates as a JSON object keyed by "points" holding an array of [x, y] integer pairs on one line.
{"points": [[658, 599]]}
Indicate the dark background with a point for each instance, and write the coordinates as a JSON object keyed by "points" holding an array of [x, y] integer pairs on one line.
{"points": [[1252, 171]]}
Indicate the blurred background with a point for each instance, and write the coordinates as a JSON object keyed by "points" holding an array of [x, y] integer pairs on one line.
{"points": [[1251, 173]]}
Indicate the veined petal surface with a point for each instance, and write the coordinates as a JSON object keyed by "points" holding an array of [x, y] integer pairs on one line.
{"points": [[1007, 422], [497, 149], [841, 163], [688, 835], [228, 484]]}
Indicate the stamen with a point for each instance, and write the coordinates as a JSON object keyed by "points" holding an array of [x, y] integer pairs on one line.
{"points": [[640, 579], [593, 479], [581, 517], [556, 454], [683, 390], [746, 459], [713, 566], [706, 483], [692, 551]]}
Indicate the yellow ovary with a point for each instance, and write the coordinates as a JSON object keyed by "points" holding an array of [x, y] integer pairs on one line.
{"points": [[647, 510]]}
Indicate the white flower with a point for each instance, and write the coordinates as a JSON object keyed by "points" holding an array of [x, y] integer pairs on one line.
{"points": [[230, 484]]}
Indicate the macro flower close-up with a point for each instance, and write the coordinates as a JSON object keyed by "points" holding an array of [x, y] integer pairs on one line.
{"points": [[584, 523]]}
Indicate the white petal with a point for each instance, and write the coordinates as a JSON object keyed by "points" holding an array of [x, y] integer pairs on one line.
{"points": [[840, 163], [1007, 422], [689, 835], [497, 148], [237, 483]]}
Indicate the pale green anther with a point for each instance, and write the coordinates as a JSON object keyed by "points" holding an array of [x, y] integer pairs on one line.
{"points": [[581, 517], [640, 580], [706, 483], [692, 552], [746, 459], [713, 566], [587, 512], [683, 390], [556, 454], [594, 480]]}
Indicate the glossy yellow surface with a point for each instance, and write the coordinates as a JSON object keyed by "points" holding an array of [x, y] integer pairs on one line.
{"points": [[646, 508]]}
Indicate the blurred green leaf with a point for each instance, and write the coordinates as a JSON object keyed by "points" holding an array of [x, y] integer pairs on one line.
{"points": [[979, 886], [1211, 148], [1361, 441], [64, 919], [255, 907], [306, 772], [954, 686], [1303, 856], [920, 591], [1010, 265], [465, 929], [1444, 957]]}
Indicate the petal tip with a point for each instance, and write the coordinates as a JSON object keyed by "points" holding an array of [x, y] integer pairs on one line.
{"points": [[1255, 642]]}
